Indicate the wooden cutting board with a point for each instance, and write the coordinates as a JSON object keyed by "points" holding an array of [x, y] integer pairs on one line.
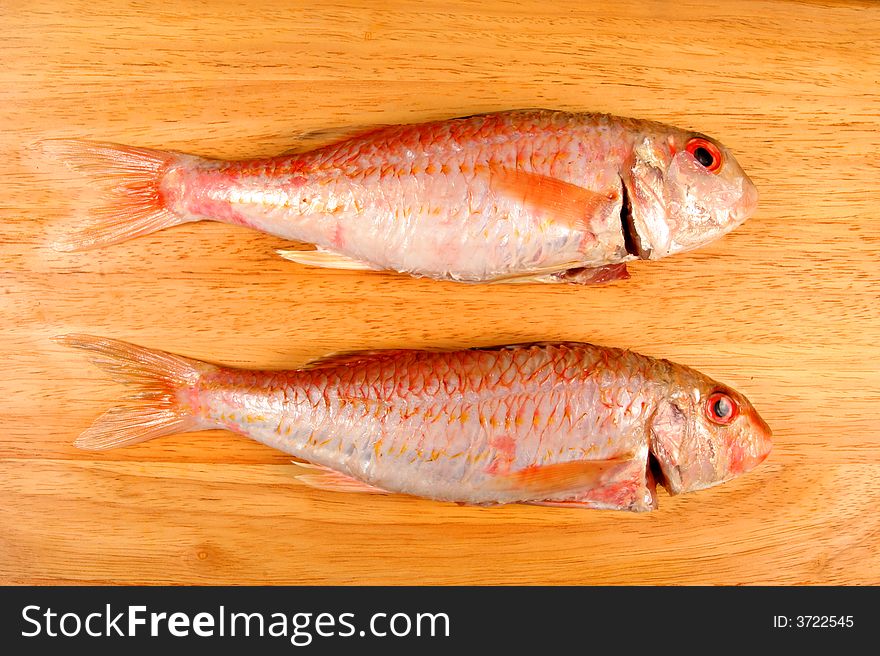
{"points": [[784, 309]]}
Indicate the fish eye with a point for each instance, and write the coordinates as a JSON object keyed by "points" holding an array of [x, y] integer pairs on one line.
{"points": [[706, 153], [720, 408]]}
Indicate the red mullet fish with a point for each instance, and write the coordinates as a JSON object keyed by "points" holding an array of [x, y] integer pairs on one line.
{"points": [[561, 424], [521, 196]]}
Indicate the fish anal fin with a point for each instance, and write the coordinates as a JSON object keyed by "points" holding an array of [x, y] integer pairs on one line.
{"points": [[572, 276], [324, 478], [326, 260], [545, 274], [544, 278], [561, 202], [556, 480], [568, 503]]}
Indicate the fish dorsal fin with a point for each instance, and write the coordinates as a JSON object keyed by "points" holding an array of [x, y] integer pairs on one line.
{"points": [[518, 110], [313, 139], [525, 345], [561, 202], [326, 259], [543, 481], [324, 478], [344, 358]]}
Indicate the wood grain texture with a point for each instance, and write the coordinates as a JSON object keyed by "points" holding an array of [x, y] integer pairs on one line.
{"points": [[785, 309]]}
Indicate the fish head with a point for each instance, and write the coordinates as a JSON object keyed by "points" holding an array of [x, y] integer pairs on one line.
{"points": [[684, 190], [704, 433]]}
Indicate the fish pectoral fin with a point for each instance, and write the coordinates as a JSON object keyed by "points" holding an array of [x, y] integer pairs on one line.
{"points": [[326, 260], [325, 478], [561, 202], [543, 481]]}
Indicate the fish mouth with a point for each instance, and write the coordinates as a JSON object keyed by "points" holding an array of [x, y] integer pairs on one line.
{"points": [[764, 446], [748, 201], [632, 240]]}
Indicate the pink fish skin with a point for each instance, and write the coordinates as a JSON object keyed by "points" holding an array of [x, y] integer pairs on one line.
{"points": [[527, 194], [552, 424]]}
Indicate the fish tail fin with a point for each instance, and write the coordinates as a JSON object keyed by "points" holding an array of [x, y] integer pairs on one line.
{"points": [[133, 203], [159, 404]]}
